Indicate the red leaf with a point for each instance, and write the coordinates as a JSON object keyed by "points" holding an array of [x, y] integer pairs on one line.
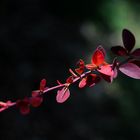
{"points": [[128, 40], [62, 95], [79, 70], [24, 106], [82, 83], [25, 110], [107, 73], [70, 79], [81, 63], [35, 93], [130, 70], [106, 70], [42, 84], [101, 49], [98, 57], [92, 79], [91, 66], [36, 101], [136, 53], [119, 50]]}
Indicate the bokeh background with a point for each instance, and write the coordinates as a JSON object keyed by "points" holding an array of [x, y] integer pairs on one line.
{"points": [[43, 39]]}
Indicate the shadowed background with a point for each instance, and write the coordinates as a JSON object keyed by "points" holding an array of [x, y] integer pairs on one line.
{"points": [[43, 39]]}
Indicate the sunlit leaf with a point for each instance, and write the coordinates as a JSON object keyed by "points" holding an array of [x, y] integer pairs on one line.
{"points": [[62, 95], [98, 57], [106, 69], [82, 83], [91, 66]]}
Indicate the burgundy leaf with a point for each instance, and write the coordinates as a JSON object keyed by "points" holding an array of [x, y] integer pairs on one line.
{"points": [[36, 101], [136, 62], [42, 84], [35, 93], [107, 77], [130, 70], [136, 53], [24, 106], [119, 50], [62, 95], [128, 40], [92, 79], [69, 79]]}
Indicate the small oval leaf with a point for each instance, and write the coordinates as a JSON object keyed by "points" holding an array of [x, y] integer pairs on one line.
{"points": [[62, 95], [83, 83], [130, 70], [42, 84], [36, 101], [128, 39], [98, 57]]}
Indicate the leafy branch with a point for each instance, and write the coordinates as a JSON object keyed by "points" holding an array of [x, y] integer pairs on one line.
{"points": [[87, 75]]}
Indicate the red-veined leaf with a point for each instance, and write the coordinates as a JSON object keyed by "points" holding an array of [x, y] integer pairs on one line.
{"points": [[128, 39], [119, 50], [62, 95], [130, 70]]}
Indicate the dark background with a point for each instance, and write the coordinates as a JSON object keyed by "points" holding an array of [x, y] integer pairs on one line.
{"points": [[43, 39]]}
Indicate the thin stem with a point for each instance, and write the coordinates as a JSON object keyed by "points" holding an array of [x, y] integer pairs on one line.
{"points": [[47, 90]]}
